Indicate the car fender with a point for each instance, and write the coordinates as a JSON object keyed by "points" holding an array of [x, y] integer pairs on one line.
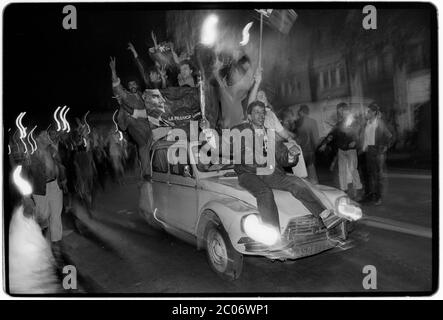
{"points": [[225, 211]]}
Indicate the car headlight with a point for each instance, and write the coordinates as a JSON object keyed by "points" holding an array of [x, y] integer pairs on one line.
{"points": [[348, 209], [258, 231]]}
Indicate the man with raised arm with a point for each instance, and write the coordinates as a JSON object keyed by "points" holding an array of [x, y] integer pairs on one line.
{"points": [[154, 77], [133, 118]]}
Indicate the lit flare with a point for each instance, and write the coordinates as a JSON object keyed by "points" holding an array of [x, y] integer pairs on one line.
{"points": [[245, 34], [23, 185]]}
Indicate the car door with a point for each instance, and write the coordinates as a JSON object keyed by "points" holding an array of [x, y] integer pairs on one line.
{"points": [[160, 183], [182, 205]]}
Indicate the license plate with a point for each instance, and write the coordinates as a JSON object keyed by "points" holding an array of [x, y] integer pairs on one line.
{"points": [[310, 249]]}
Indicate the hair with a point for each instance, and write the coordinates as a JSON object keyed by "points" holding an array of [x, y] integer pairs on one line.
{"points": [[254, 104], [132, 79], [304, 108], [188, 62], [152, 69], [244, 59], [374, 107], [342, 105]]}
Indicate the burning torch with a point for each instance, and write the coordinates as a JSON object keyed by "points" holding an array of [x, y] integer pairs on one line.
{"points": [[25, 189]]}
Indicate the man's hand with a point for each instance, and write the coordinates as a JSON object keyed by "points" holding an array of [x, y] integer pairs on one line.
{"points": [[112, 64], [162, 71], [132, 48], [351, 144], [204, 124], [294, 150]]}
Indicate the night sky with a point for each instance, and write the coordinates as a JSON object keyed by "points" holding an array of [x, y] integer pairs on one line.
{"points": [[46, 66]]}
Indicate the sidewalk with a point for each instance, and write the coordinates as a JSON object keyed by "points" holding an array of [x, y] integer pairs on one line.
{"points": [[407, 198]]}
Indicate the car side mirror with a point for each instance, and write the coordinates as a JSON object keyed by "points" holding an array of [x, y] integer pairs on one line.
{"points": [[187, 171]]}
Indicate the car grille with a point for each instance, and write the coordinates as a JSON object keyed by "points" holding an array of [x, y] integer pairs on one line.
{"points": [[304, 228]]}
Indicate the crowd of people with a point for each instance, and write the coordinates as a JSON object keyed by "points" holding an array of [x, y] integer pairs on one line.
{"points": [[73, 162], [61, 165]]}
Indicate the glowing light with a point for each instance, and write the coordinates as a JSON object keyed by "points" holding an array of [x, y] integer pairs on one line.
{"points": [[209, 30], [84, 141], [346, 209], [113, 120], [56, 120], [9, 149], [29, 141], [60, 115], [19, 124], [116, 126], [63, 117], [34, 146], [349, 119], [259, 231], [23, 185], [245, 34], [67, 122], [84, 118]]}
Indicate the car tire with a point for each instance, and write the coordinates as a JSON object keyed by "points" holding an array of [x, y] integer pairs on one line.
{"points": [[223, 259]]}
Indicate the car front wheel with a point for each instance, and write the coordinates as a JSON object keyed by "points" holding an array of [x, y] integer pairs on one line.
{"points": [[222, 256]]}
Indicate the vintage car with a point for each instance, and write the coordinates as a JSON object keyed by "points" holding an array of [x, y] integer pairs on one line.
{"points": [[204, 205]]}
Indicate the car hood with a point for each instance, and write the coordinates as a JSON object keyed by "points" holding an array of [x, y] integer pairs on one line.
{"points": [[288, 206]]}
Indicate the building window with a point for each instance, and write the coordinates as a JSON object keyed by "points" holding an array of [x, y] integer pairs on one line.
{"points": [[332, 78], [342, 74], [388, 63], [320, 80], [418, 57], [372, 67], [325, 79]]}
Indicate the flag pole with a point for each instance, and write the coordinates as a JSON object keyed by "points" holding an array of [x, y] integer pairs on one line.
{"points": [[261, 39]]}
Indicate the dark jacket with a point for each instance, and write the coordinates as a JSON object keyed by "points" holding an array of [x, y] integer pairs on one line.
{"points": [[342, 136], [282, 158], [35, 172], [307, 135], [128, 100], [383, 137], [244, 167]]}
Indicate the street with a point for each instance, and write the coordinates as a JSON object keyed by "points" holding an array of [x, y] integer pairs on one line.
{"points": [[116, 251]]}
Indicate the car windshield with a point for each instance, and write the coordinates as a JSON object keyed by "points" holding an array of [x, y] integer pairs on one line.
{"points": [[213, 165]]}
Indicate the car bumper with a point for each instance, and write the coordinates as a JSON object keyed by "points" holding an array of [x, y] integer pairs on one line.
{"points": [[300, 247]]}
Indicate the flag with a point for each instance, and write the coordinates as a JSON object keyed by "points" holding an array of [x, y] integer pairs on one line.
{"points": [[178, 105], [281, 20]]}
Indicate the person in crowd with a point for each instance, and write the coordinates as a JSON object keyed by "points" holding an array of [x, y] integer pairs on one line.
{"points": [[234, 90], [153, 77], [85, 169], [307, 136], [376, 139], [45, 173], [116, 155], [99, 156], [271, 120], [133, 118], [186, 77], [344, 138], [260, 186]]}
